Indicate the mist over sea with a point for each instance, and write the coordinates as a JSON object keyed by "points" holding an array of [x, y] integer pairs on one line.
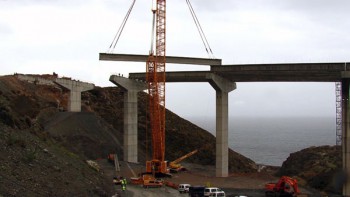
{"points": [[270, 140]]}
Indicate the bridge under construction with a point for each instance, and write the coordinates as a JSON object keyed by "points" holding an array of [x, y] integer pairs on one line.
{"points": [[223, 77]]}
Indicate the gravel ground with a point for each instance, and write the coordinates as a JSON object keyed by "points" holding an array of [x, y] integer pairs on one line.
{"points": [[251, 185]]}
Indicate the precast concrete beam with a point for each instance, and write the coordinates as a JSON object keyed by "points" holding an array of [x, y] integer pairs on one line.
{"points": [[169, 59], [300, 72], [182, 76], [75, 88], [131, 88]]}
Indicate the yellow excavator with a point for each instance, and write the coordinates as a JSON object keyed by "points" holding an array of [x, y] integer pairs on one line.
{"points": [[175, 165]]}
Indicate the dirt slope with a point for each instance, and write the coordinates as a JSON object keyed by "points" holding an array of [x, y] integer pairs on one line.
{"points": [[46, 149], [182, 136], [317, 167]]}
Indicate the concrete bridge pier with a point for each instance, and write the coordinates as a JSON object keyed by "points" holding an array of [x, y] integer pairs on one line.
{"points": [[131, 88], [345, 136], [222, 87], [75, 88]]}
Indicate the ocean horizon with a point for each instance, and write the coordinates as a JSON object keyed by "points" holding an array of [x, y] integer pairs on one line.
{"points": [[270, 140]]}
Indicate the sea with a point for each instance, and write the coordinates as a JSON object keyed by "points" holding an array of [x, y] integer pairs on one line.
{"points": [[270, 140]]}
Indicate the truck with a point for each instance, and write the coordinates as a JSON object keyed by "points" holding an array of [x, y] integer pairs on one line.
{"points": [[150, 181], [196, 191]]}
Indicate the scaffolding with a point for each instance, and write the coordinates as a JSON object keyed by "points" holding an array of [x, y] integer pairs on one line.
{"points": [[338, 111]]}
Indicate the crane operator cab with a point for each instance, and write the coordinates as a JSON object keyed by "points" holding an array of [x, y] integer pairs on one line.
{"points": [[157, 167]]}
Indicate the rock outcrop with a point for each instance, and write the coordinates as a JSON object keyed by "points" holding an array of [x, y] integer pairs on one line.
{"points": [[317, 167]]}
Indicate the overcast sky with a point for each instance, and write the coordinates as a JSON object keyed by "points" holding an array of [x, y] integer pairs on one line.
{"points": [[64, 36]]}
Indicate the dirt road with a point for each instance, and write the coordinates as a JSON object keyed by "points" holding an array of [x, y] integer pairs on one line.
{"points": [[237, 184]]}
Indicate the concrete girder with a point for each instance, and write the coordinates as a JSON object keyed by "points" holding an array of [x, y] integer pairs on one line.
{"points": [[169, 59], [131, 88], [302, 72], [75, 88]]}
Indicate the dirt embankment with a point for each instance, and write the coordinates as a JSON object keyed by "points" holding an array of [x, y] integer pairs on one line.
{"points": [[46, 150]]}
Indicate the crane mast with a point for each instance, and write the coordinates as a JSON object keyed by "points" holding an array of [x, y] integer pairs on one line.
{"points": [[155, 75]]}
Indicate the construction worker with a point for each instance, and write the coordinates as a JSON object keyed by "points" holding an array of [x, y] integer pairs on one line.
{"points": [[123, 184]]}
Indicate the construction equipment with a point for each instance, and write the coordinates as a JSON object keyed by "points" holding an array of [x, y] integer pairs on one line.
{"points": [[175, 165], [150, 181], [285, 187], [155, 78], [155, 75], [147, 180]]}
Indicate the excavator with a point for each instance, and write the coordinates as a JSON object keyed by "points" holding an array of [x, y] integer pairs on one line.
{"points": [[175, 165], [285, 187]]}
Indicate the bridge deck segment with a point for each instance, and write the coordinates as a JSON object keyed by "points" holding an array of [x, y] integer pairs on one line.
{"points": [[307, 72], [169, 59]]}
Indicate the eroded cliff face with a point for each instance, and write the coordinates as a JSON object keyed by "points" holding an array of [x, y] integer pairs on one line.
{"points": [[317, 167]]}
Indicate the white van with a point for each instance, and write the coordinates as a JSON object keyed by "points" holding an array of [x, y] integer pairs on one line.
{"points": [[183, 188], [211, 190], [218, 194]]}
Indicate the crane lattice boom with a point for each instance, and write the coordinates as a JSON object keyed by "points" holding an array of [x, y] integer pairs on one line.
{"points": [[156, 88]]}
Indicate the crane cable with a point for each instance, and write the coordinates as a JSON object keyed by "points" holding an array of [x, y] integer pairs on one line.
{"points": [[119, 32], [200, 30]]}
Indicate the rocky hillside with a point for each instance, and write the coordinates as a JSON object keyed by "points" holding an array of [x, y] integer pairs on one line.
{"points": [[317, 167], [108, 104], [32, 162], [46, 149]]}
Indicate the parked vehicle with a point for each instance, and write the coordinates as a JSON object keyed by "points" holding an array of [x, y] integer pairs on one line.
{"points": [[152, 183], [184, 188], [218, 194], [196, 191], [211, 190]]}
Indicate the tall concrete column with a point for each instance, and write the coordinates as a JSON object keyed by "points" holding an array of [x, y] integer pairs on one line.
{"points": [[222, 88], [75, 88], [345, 135], [131, 88]]}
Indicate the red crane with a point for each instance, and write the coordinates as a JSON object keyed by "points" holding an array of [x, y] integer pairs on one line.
{"points": [[155, 70]]}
